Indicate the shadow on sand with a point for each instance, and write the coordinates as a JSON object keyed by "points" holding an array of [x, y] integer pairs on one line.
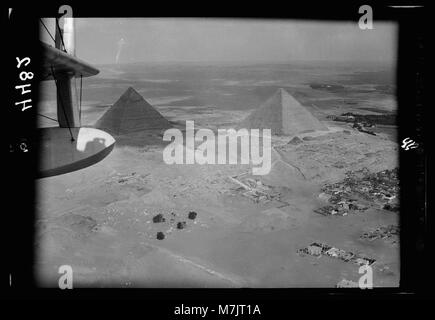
{"points": [[141, 139]]}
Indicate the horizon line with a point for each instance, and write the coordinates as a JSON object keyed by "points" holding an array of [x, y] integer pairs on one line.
{"points": [[244, 62]]}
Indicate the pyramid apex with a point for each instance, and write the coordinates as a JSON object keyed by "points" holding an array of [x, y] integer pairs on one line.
{"points": [[131, 113], [130, 95], [279, 94], [131, 90], [284, 115], [282, 91]]}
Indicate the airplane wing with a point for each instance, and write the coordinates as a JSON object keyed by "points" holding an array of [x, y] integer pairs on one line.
{"points": [[68, 147], [62, 62]]}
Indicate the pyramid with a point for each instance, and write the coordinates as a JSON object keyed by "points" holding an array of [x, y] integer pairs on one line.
{"points": [[283, 114], [131, 113]]}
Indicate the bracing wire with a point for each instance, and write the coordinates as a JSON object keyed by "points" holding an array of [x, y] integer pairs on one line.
{"points": [[48, 31], [61, 34], [81, 90], [42, 115]]}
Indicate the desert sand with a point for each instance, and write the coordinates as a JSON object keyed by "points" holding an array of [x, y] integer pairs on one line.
{"points": [[99, 220]]}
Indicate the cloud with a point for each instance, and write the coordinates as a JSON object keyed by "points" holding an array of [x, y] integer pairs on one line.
{"points": [[121, 43]]}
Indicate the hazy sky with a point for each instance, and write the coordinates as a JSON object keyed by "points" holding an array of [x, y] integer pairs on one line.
{"points": [[104, 41]]}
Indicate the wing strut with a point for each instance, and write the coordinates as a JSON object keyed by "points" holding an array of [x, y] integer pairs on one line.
{"points": [[67, 98], [57, 45], [80, 104], [61, 103]]}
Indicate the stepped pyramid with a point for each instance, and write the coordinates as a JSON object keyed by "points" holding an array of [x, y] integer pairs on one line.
{"points": [[283, 114], [131, 113]]}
